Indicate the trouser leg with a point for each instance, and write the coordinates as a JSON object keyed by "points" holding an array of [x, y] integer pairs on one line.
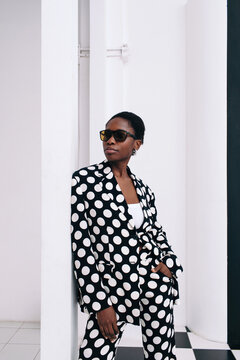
{"points": [[94, 346], [156, 318]]}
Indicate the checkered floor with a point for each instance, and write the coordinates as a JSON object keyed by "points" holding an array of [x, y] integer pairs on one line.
{"points": [[189, 347]]}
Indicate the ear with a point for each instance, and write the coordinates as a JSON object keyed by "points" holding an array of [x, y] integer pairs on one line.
{"points": [[138, 143]]}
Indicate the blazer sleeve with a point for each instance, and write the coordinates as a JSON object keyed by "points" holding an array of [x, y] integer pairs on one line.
{"points": [[86, 271], [167, 256]]}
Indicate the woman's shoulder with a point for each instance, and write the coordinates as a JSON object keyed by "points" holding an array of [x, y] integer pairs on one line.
{"points": [[144, 185], [88, 171], [149, 190]]}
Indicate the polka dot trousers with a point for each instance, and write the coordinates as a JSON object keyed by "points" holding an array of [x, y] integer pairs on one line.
{"points": [[156, 320]]}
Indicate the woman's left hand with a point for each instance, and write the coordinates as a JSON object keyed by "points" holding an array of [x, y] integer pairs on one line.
{"points": [[163, 269]]}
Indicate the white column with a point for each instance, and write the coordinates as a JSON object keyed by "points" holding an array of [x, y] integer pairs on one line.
{"points": [[206, 168], [59, 159], [97, 75], [83, 80]]}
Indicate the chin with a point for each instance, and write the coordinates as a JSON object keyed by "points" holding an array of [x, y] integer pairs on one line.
{"points": [[111, 157]]}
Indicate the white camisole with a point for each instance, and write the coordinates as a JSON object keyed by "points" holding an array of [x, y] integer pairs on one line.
{"points": [[136, 211]]}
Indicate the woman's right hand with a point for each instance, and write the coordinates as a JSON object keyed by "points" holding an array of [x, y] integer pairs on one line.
{"points": [[163, 269], [108, 323]]}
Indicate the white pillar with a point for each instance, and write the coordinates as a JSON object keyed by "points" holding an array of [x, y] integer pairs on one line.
{"points": [[83, 82], [97, 74], [59, 159]]}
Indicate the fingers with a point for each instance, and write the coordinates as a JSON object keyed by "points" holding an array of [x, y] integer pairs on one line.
{"points": [[103, 332], [109, 331], [115, 328], [157, 268], [163, 269]]}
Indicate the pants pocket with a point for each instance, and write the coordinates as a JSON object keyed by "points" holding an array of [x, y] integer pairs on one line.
{"points": [[160, 275]]}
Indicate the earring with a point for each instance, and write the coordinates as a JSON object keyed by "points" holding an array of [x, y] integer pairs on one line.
{"points": [[134, 152]]}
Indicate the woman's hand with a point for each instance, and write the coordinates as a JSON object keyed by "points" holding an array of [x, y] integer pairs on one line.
{"points": [[163, 269], [108, 323]]}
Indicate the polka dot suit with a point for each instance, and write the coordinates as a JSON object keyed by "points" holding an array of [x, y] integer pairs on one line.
{"points": [[109, 268]]}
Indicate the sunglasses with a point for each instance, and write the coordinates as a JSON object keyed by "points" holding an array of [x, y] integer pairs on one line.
{"points": [[119, 135]]}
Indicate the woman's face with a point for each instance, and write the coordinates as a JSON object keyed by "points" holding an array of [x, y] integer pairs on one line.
{"points": [[117, 151]]}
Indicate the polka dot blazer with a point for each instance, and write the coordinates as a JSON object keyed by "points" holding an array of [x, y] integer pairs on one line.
{"points": [[105, 242]]}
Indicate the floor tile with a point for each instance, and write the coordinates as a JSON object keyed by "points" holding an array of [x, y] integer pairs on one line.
{"points": [[185, 354], [236, 353], [182, 340], [2, 346], [6, 334], [126, 353], [180, 329], [12, 324], [26, 336], [199, 343], [202, 354], [30, 325], [19, 352]]}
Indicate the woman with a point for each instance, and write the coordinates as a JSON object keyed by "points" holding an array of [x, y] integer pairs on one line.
{"points": [[125, 269]]}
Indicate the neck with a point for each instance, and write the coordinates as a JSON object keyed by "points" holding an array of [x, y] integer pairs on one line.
{"points": [[119, 168]]}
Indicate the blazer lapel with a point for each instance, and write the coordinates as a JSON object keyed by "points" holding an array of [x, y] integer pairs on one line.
{"points": [[107, 176], [141, 192]]}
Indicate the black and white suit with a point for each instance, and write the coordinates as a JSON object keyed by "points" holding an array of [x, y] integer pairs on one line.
{"points": [[108, 265]]}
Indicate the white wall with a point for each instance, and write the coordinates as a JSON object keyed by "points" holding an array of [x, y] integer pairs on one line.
{"points": [[155, 89], [20, 160], [152, 84], [175, 46], [206, 168]]}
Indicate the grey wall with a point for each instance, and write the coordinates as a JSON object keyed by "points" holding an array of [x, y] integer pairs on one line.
{"points": [[20, 159]]}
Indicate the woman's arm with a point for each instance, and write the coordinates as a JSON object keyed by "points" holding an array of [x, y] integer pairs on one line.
{"points": [[167, 256], [85, 268]]}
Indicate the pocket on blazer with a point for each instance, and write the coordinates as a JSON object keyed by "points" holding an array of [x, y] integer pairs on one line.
{"points": [[160, 275]]}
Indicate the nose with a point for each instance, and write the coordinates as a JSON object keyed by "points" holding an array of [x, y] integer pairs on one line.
{"points": [[111, 140]]}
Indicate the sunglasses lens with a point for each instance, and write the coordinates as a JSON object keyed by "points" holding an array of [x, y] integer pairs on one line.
{"points": [[105, 135], [120, 136]]}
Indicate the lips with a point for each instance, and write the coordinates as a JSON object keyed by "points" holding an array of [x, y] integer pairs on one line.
{"points": [[110, 150]]}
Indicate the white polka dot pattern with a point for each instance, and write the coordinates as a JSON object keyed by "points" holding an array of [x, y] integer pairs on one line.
{"points": [[156, 325], [105, 243]]}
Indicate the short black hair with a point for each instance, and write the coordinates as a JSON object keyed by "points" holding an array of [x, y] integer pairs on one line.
{"points": [[134, 120]]}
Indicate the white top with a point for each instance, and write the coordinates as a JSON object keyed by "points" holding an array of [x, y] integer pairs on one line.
{"points": [[136, 211]]}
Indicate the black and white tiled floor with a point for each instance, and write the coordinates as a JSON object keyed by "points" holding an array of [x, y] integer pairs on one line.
{"points": [[21, 341], [189, 347]]}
